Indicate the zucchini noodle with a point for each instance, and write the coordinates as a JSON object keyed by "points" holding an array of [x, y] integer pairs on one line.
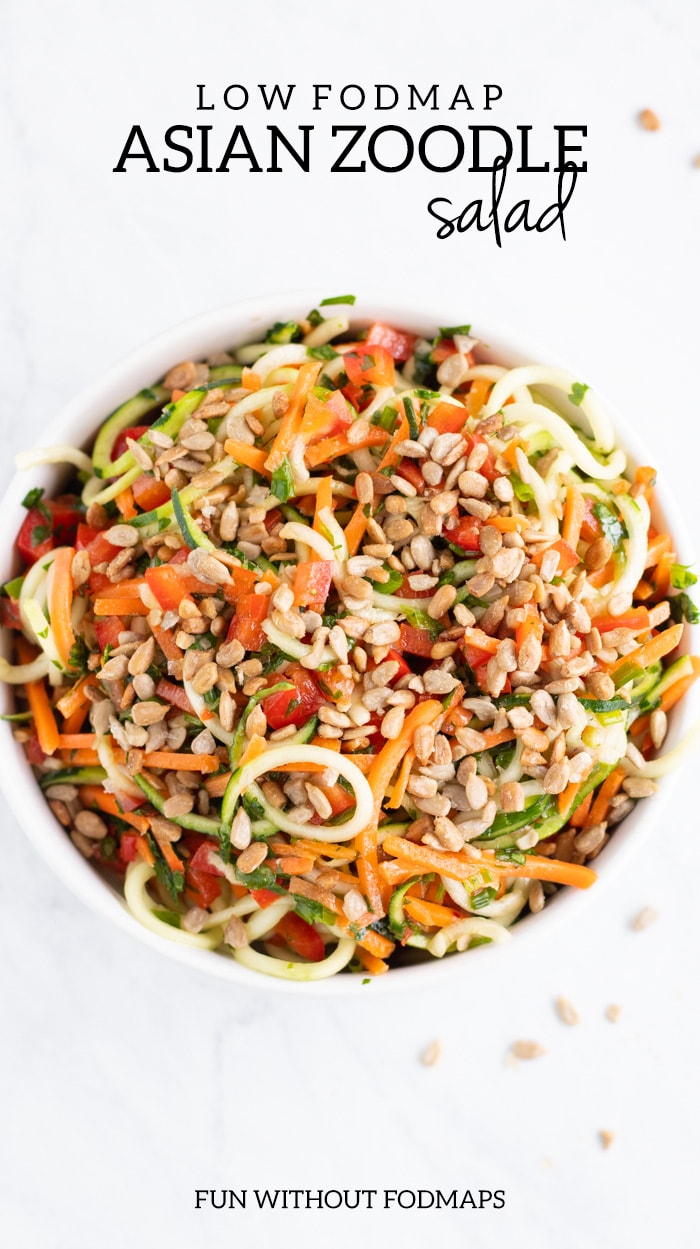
{"points": [[541, 490], [60, 454], [279, 757], [473, 927], [142, 908], [285, 970], [538, 375], [562, 432]]}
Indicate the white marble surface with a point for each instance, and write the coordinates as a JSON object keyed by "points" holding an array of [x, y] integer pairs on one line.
{"points": [[126, 1081]]}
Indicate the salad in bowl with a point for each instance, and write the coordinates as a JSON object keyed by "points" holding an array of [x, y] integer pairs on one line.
{"points": [[346, 647]]}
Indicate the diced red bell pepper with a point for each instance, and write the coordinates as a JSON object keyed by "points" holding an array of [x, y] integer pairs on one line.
{"points": [[406, 590], [334, 684], [92, 540], [35, 754], [448, 418], [466, 533], [443, 350], [415, 641], [394, 657], [264, 897], [149, 493], [411, 472], [128, 847], [246, 626], [107, 629], [9, 613], [312, 581], [475, 657], [201, 859], [591, 527], [134, 432], [325, 418], [295, 706], [201, 887], [488, 468], [175, 694], [375, 366], [167, 586], [53, 522], [399, 343], [180, 556], [301, 937], [568, 557], [34, 539], [243, 581]]}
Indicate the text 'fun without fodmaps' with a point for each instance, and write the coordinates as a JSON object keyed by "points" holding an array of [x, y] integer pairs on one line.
{"points": [[348, 1199], [363, 137]]}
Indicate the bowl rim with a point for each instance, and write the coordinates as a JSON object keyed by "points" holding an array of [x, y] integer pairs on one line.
{"points": [[77, 421]]}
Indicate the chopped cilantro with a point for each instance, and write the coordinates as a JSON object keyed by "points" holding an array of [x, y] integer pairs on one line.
{"points": [[523, 492], [449, 331], [389, 587], [682, 577], [612, 526], [77, 660], [326, 352], [312, 911], [173, 882], [261, 878], [284, 332], [314, 318], [252, 807], [282, 484], [338, 299], [33, 499], [410, 411], [482, 898], [683, 608], [366, 980], [578, 391]]}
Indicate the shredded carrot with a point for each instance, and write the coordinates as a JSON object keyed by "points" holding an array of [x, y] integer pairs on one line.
{"points": [[459, 867], [477, 395], [130, 588], [393, 873], [431, 914], [355, 528], [324, 849], [603, 575], [145, 851], [483, 641], [181, 762], [657, 547], [177, 394], [250, 380], [216, 785], [253, 750], [174, 863], [383, 767], [44, 719], [95, 796], [166, 642], [80, 758], [507, 524], [125, 503], [578, 819], [75, 722], [375, 966], [76, 698], [328, 743], [120, 607], [648, 654], [492, 738], [61, 601], [332, 448], [599, 808], [244, 454], [76, 741], [662, 578], [567, 796], [291, 421], [574, 511], [391, 455], [397, 793]]}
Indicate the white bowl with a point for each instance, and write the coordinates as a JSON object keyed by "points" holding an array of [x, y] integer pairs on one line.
{"points": [[78, 423]]}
